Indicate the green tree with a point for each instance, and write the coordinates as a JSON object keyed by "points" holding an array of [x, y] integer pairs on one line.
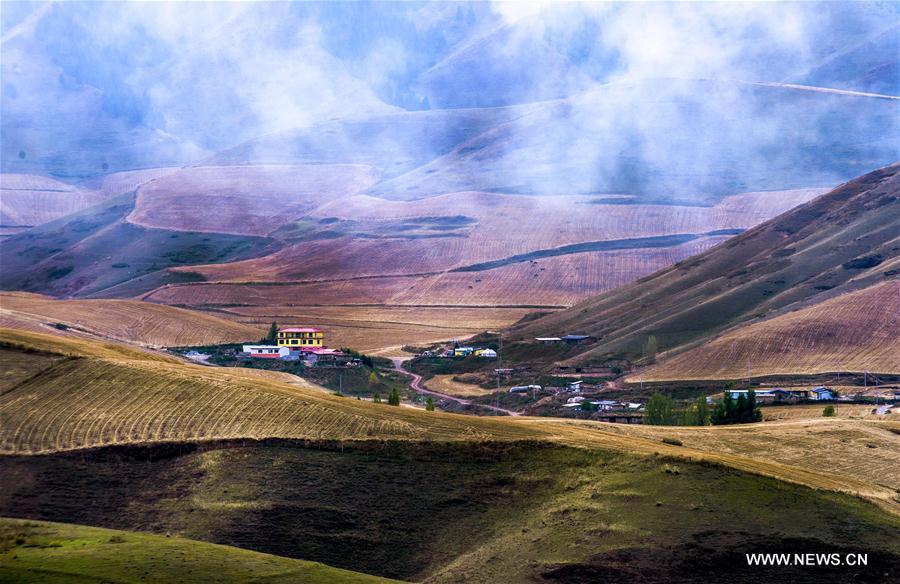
{"points": [[650, 348], [429, 405], [373, 378], [660, 411], [702, 412], [376, 398], [272, 335], [828, 412], [394, 397], [753, 413]]}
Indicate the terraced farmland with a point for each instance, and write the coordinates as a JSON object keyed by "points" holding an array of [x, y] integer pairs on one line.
{"points": [[123, 320], [27, 200], [856, 331], [248, 200], [113, 395], [501, 226]]}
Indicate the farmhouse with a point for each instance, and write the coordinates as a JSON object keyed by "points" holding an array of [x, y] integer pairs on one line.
{"points": [[574, 386], [548, 340], [486, 353], [300, 337], [776, 395], [524, 388], [821, 394], [577, 339], [262, 351]]}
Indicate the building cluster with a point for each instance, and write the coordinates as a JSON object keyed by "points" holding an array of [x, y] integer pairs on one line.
{"points": [[305, 344], [786, 396], [483, 352]]}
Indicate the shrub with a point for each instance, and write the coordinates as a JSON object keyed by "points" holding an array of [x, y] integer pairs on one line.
{"points": [[828, 412], [673, 441]]}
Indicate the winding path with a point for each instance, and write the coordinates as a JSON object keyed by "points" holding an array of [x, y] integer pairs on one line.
{"points": [[417, 384]]}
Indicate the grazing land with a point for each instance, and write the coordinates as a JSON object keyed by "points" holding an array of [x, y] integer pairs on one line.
{"points": [[856, 331], [132, 321], [112, 394], [474, 512], [40, 552]]}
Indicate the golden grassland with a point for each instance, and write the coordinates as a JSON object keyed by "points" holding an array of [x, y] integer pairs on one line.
{"points": [[114, 394], [856, 331], [131, 321], [40, 551], [446, 384], [807, 411]]}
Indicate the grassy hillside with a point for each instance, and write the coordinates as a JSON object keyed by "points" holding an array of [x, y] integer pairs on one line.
{"points": [[856, 331], [446, 513], [96, 249], [842, 241], [37, 551], [131, 321], [105, 394]]}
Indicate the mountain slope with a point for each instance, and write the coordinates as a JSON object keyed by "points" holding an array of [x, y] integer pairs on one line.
{"points": [[130, 321], [856, 331], [32, 552], [845, 240]]}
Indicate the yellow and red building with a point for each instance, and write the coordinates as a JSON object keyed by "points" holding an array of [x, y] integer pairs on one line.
{"points": [[299, 337]]}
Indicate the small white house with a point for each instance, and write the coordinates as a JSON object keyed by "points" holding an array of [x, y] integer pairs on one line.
{"points": [[487, 353], [574, 386], [263, 351], [821, 394], [524, 388]]}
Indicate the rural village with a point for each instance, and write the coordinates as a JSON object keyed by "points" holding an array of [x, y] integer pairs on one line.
{"points": [[483, 386], [450, 292]]}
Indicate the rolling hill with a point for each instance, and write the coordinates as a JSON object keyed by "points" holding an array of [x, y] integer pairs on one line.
{"points": [[223, 456], [856, 331], [26, 201], [130, 321], [38, 551], [843, 241]]}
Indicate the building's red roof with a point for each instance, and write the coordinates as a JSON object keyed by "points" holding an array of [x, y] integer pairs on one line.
{"points": [[317, 350], [299, 330]]}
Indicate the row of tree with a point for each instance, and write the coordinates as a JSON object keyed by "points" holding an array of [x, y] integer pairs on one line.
{"points": [[662, 410]]}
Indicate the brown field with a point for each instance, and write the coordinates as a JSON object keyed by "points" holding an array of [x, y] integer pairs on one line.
{"points": [[132, 321], [119, 183], [861, 449], [27, 200], [244, 200], [810, 411], [446, 384], [552, 281], [503, 225], [115, 394], [855, 331], [380, 330]]}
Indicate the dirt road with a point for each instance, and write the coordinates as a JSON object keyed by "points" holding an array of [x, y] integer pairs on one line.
{"points": [[417, 384]]}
